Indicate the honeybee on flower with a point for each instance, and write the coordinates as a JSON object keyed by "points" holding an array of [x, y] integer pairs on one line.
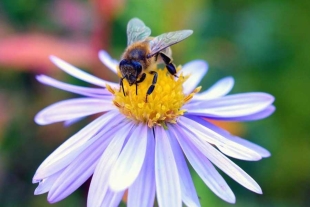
{"points": [[142, 146], [144, 51]]}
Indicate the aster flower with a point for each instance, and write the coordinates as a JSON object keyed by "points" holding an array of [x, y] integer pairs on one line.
{"points": [[142, 146]]}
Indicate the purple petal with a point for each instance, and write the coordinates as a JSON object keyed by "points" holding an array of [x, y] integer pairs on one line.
{"points": [[204, 168], [258, 149], [142, 191], [46, 184], [108, 61], [72, 121], [81, 168], [72, 109], [70, 149], [168, 189], [129, 162], [100, 182], [260, 115], [75, 72], [208, 135], [85, 91], [219, 89], [197, 69], [188, 191], [232, 106], [111, 199], [222, 162]]}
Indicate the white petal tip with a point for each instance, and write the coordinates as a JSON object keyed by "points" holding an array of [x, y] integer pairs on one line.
{"points": [[228, 196], [266, 154], [230, 79], [39, 175], [43, 78], [103, 54], [195, 65], [257, 189], [271, 98], [201, 64], [189, 31], [38, 119], [231, 200], [51, 201], [35, 180], [53, 58], [104, 57], [53, 198], [108, 61], [38, 191], [38, 77], [265, 96], [57, 61]]}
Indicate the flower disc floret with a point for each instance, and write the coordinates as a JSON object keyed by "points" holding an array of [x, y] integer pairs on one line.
{"points": [[163, 105]]}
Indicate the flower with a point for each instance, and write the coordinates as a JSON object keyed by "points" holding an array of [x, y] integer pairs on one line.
{"points": [[139, 145]]}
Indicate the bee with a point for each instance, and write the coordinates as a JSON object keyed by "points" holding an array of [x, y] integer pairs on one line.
{"points": [[144, 51]]}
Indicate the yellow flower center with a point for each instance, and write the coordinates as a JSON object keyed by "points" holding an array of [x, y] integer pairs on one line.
{"points": [[163, 105]]}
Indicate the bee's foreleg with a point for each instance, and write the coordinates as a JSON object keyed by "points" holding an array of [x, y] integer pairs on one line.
{"points": [[151, 88], [122, 85], [139, 81], [169, 65]]}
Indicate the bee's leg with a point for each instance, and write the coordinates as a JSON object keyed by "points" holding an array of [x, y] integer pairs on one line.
{"points": [[139, 81], [151, 88], [122, 85], [169, 65], [156, 56]]}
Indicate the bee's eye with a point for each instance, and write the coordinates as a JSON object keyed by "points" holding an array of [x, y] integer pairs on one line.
{"points": [[123, 63], [137, 66]]}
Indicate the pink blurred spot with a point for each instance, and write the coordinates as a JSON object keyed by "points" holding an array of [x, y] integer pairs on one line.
{"points": [[31, 51]]}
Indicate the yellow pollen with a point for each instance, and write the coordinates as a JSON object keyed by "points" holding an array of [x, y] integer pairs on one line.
{"points": [[163, 105]]}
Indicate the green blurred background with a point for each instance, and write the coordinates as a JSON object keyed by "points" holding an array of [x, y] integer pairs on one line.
{"points": [[264, 45]]}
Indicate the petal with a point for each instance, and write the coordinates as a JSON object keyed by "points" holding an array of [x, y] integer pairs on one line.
{"points": [[75, 72], [72, 121], [168, 189], [129, 162], [85, 91], [222, 162], [100, 182], [81, 168], [46, 184], [70, 149], [108, 61], [189, 194], [258, 149], [204, 168], [142, 191], [219, 89], [111, 199], [197, 69], [208, 135], [256, 116], [232, 106], [72, 109]]}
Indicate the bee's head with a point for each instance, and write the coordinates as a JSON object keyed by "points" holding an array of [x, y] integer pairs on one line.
{"points": [[130, 70]]}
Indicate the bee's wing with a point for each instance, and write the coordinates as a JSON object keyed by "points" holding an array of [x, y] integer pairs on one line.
{"points": [[137, 31], [167, 39]]}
